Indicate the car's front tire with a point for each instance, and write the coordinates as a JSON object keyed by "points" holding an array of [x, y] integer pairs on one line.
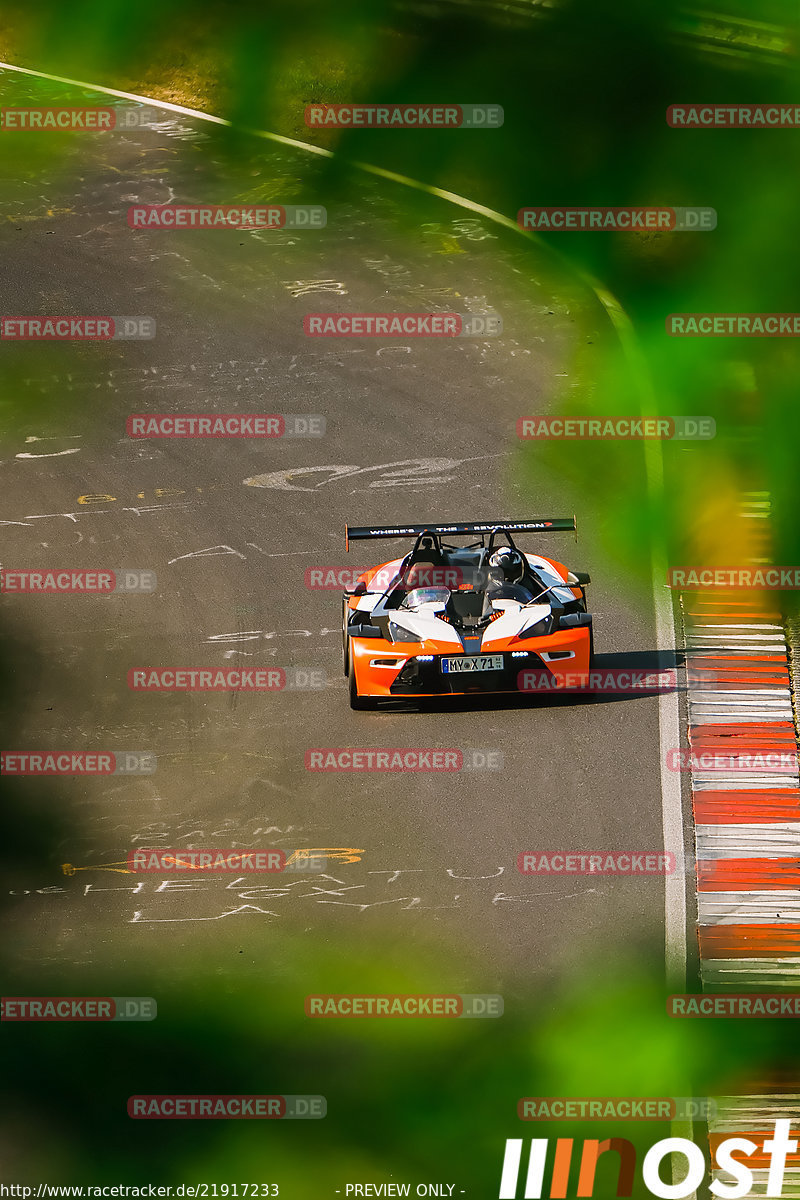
{"points": [[345, 618], [357, 702]]}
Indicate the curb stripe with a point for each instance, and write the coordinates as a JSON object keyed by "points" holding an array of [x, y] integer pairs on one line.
{"points": [[752, 807], [747, 823], [740, 874], [750, 941]]}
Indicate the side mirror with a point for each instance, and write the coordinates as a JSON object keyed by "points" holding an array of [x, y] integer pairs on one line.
{"points": [[360, 589], [575, 620], [576, 578]]}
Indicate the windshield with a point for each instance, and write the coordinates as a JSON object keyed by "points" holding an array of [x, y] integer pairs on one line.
{"points": [[427, 595]]}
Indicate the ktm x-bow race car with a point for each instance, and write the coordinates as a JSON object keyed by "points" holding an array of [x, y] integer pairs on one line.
{"points": [[449, 620]]}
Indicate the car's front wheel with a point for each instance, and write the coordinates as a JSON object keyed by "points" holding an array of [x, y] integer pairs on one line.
{"points": [[357, 701], [345, 617]]}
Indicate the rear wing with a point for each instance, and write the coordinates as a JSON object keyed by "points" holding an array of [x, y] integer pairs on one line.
{"points": [[356, 533]]}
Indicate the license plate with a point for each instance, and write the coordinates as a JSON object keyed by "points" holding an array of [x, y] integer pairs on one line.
{"points": [[472, 662]]}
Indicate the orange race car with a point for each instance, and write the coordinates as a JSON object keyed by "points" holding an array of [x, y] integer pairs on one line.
{"points": [[449, 620]]}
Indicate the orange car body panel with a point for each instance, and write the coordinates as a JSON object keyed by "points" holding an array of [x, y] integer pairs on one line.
{"points": [[375, 681]]}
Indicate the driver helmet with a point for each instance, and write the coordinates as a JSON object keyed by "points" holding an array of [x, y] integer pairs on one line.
{"points": [[511, 562]]}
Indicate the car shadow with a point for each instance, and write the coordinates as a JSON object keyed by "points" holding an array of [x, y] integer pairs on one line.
{"points": [[631, 660]]}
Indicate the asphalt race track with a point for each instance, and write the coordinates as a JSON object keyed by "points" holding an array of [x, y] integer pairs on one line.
{"points": [[416, 430]]}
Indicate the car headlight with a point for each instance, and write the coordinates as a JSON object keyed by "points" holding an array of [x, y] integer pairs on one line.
{"points": [[399, 634]]}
